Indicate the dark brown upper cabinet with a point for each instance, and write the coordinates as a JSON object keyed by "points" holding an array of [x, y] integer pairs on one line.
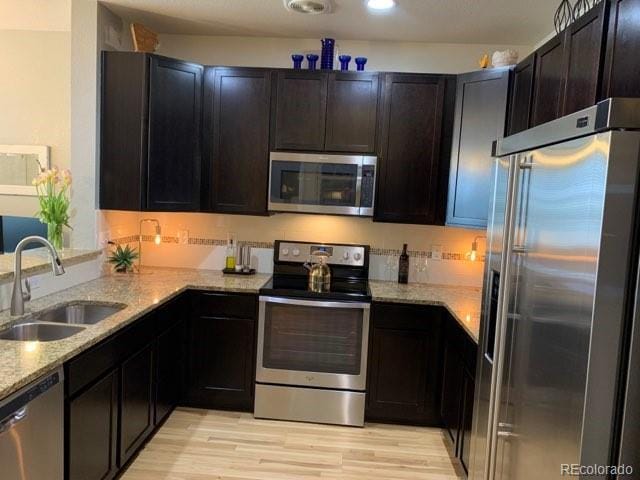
{"points": [[481, 104], [549, 81], [236, 140], [351, 112], [521, 95], [584, 49], [150, 133], [622, 64], [319, 111], [412, 148]]}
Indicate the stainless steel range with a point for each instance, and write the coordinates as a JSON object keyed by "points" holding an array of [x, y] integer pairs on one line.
{"points": [[312, 345]]}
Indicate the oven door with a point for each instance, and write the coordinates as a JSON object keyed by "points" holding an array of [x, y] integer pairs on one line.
{"points": [[313, 343]]}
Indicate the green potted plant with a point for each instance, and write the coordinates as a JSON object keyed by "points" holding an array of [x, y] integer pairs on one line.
{"points": [[53, 187], [123, 258]]}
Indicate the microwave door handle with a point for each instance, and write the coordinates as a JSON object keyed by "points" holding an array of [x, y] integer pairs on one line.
{"points": [[358, 186]]}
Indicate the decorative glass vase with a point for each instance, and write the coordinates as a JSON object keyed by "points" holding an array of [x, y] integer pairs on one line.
{"points": [[360, 63], [312, 59], [297, 61], [344, 62], [54, 235]]}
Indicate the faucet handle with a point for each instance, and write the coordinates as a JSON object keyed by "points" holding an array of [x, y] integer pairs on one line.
{"points": [[26, 296]]}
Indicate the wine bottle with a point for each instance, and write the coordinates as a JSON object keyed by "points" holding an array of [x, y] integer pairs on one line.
{"points": [[403, 266]]}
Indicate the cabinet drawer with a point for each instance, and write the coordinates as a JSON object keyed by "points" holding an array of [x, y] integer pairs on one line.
{"points": [[91, 364], [216, 304]]}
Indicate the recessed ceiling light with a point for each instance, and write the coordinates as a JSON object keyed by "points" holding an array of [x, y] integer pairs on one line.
{"points": [[381, 4], [313, 7]]}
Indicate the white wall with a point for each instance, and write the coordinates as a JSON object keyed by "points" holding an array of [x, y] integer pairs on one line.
{"points": [[383, 56], [35, 42]]}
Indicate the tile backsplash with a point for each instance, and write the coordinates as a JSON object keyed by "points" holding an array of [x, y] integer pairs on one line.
{"points": [[437, 254]]}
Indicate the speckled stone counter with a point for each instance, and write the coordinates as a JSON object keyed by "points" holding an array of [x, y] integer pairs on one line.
{"points": [[22, 362], [462, 302], [37, 261]]}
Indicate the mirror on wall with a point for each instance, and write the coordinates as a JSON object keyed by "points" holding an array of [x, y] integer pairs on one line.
{"points": [[19, 164]]}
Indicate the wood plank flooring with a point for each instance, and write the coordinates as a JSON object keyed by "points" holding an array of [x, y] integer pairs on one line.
{"points": [[207, 444]]}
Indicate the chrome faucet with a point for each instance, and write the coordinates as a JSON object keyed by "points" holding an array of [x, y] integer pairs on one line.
{"points": [[18, 297]]}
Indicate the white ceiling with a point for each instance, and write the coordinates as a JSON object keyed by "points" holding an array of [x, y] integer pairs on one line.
{"points": [[523, 22]]}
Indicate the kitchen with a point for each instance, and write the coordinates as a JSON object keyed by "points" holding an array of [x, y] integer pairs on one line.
{"points": [[415, 262]]}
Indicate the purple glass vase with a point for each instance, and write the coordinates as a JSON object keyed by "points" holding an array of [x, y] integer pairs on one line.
{"points": [[344, 62], [328, 47], [297, 61], [312, 58], [360, 62]]}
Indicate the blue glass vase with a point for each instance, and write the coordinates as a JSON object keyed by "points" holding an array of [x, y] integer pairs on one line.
{"points": [[328, 48], [344, 62], [312, 58], [297, 61], [360, 62]]}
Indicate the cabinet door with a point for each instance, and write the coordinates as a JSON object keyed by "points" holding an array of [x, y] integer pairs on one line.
{"points": [[173, 167], [481, 104], [222, 362], [583, 60], [410, 148], [136, 402], [92, 431], [170, 369], [237, 135], [622, 64], [466, 422], [521, 95], [452, 387], [300, 111], [548, 83], [352, 106], [404, 366]]}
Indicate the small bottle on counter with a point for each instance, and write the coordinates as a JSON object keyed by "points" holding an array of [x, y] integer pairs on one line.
{"points": [[403, 266], [230, 263]]}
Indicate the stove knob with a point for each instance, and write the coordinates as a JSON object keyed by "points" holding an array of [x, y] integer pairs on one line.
{"points": [[296, 252], [345, 255], [285, 252], [357, 256]]}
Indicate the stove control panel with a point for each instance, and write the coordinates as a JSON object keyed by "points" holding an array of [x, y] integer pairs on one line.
{"points": [[348, 255]]}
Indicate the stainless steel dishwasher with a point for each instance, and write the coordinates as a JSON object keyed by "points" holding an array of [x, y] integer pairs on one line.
{"points": [[32, 431]]}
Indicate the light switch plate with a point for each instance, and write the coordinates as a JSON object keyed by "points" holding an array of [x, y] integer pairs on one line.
{"points": [[436, 252], [183, 237]]}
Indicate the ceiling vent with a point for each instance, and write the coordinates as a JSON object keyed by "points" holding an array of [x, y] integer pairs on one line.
{"points": [[313, 7]]}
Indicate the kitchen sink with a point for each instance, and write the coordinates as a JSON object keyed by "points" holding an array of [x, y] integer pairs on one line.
{"points": [[40, 332], [79, 313]]}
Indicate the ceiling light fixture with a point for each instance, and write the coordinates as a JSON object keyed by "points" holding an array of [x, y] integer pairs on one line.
{"points": [[381, 4], [313, 7]]}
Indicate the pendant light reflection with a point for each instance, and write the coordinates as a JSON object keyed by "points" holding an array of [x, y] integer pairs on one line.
{"points": [[473, 255]]}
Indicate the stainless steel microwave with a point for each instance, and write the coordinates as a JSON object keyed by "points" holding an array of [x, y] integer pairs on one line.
{"points": [[321, 183]]}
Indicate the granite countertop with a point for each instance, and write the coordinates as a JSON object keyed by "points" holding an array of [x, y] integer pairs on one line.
{"points": [[23, 362], [462, 302], [37, 260]]}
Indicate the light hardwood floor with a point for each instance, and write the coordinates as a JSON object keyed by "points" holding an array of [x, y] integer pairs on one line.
{"points": [[207, 444]]}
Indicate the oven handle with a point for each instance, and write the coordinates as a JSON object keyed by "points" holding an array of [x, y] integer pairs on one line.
{"points": [[316, 303]]}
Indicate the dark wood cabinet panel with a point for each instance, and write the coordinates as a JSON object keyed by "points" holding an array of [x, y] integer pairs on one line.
{"points": [[170, 369], [410, 148], [300, 111], [584, 55], [521, 95], [92, 427], [136, 402], [466, 422], [352, 106], [549, 82], [622, 65], [150, 133], [404, 357], [481, 104], [175, 110], [237, 116], [222, 357], [452, 388]]}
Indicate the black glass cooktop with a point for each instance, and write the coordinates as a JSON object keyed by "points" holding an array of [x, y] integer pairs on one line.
{"points": [[297, 286]]}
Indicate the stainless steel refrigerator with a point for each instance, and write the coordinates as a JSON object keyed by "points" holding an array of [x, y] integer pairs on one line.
{"points": [[555, 388]]}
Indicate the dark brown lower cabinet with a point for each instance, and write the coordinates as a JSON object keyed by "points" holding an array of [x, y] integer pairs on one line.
{"points": [[404, 361], [458, 385], [170, 361], [136, 402], [222, 351], [92, 431]]}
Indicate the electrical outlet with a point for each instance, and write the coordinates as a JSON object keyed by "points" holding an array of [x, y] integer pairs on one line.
{"points": [[35, 282], [183, 237], [436, 252], [103, 238]]}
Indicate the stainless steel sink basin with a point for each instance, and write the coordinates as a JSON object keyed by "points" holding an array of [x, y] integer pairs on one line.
{"points": [[41, 332], [79, 313]]}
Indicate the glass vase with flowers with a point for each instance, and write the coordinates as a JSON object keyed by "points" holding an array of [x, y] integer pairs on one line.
{"points": [[53, 188]]}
